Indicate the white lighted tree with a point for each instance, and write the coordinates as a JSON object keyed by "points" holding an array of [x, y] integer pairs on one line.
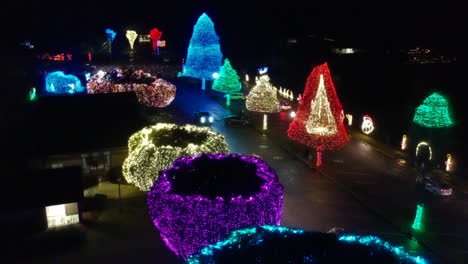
{"points": [[263, 98], [321, 120]]}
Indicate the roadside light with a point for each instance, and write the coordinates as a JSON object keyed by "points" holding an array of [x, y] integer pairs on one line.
{"points": [[202, 119], [210, 119], [292, 114]]}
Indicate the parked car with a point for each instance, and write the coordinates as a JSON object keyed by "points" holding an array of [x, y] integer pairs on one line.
{"points": [[204, 118], [285, 105], [236, 96], [235, 120], [438, 187]]}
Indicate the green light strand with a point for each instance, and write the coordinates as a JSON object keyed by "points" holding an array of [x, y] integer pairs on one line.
{"points": [[418, 217], [32, 94]]}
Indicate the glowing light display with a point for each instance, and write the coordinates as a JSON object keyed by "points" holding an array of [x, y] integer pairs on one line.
{"points": [[367, 126], [423, 143], [262, 70], [155, 36], [190, 216], [131, 36], [261, 245], [319, 119], [418, 217], [372, 241], [228, 81], [32, 94], [404, 142], [349, 117], [433, 112], [246, 77], [263, 98], [449, 163], [204, 55], [154, 148], [292, 114], [151, 91], [60, 83], [110, 34]]}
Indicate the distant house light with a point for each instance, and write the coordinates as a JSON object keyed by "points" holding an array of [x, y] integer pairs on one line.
{"points": [[344, 51], [292, 41], [62, 215]]}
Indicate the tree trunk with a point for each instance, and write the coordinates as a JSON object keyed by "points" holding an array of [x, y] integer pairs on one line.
{"points": [[265, 121], [319, 157], [203, 84]]}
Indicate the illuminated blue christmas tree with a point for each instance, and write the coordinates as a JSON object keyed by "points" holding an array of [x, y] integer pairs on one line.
{"points": [[204, 55]]}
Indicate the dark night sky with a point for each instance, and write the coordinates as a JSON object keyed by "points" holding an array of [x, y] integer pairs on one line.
{"points": [[437, 23]]}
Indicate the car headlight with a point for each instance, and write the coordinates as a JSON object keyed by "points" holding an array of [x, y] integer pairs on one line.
{"points": [[202, 119], [210, 119]]}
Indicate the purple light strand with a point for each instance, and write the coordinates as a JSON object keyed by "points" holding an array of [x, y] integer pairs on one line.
{"points": [[189, 223]]}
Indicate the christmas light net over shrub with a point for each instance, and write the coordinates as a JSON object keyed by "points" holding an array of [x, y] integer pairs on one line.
{"points": [[204, 55], [200, 200], [61, 83], [154, 148], [263, 97], [151, 91], [228, 80], [319, 116], [433, 112], [282, 245]]}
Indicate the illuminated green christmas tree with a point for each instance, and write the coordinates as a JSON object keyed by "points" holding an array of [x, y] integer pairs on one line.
{"points": [[228, 80], [433, 112]]}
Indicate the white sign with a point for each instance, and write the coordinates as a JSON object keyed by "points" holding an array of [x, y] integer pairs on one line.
{"points": [[62, 214]]}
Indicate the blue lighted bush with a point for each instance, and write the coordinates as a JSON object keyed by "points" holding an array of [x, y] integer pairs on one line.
{"points": [[60, 83]]}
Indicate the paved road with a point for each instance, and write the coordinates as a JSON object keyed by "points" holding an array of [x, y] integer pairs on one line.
{"points": [[312, 201], [388, 186]]}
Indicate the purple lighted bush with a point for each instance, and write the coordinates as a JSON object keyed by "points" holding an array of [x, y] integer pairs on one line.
{"points": [[200, 200]]}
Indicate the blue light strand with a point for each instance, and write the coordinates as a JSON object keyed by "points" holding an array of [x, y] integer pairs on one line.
{"points": [[255, 236], [399, 252]]}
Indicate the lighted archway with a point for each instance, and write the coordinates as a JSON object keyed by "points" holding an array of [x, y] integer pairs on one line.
{"points": [[424, 143]]}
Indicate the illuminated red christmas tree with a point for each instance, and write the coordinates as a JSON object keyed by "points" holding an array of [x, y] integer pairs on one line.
{"points": [[319, 117]]}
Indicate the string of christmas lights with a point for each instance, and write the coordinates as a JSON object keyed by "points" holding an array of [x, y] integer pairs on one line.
{"points": [[151, 91], [60, 83], [228, 80], [154, 148], [433, 112], [204, 55], [282, 245], [189, 219], [319, 117]]}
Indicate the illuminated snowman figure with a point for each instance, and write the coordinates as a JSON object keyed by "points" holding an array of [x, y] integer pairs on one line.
{"points": [[367, 125]]}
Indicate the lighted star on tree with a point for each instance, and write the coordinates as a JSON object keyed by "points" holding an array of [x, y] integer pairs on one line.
{"points": [[204, 55], [263, 98], [433, 112], [228, 80], [319, 117]]}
